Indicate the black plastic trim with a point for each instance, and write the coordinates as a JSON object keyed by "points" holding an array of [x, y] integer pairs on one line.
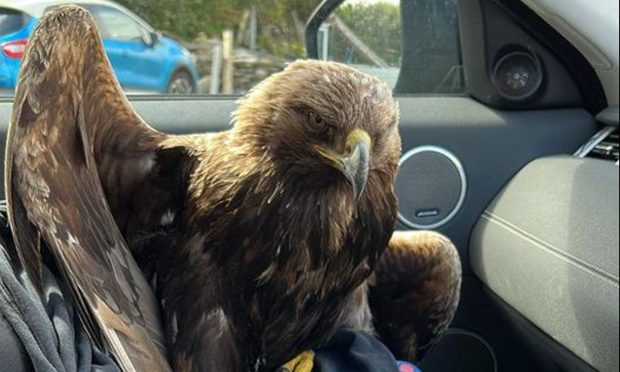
{"points": [[590, 86], [504, 56], [317, 18], [488, 27], [540, 342]]}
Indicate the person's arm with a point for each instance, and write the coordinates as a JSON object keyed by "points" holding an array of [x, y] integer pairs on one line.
{"points": [[12, 354]]}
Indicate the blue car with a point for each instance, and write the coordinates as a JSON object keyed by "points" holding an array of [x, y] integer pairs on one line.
{"points": [[144, 60]]}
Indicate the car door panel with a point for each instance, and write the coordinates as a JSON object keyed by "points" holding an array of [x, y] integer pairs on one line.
{"points": [[492, 145], [153, 65], [142, 62], [556, 225], [118, 55], [136, 64]]}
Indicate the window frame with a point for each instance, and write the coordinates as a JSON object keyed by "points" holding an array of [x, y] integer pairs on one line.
{"points": [[95, 9], [23, 19], [329, 7]]}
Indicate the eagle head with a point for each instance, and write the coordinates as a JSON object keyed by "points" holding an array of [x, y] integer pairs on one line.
{"points": [[323, 122]]}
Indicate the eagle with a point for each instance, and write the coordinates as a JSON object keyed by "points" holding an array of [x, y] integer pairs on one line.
{"points": [[228, 251]]}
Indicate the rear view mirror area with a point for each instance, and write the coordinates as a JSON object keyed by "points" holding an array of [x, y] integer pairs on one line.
{"points": [[363, 34], [412, 45]]}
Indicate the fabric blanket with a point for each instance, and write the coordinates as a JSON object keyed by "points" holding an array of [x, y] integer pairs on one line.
{"points": [[48, 330]]}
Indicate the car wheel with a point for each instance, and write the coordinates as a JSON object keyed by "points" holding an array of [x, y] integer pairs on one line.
{"points": [[181, 83]]}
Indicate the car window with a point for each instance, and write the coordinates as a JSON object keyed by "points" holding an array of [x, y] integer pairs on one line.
{"points": [[365, 34], [223, 47], [419, 56], [11, 21], [115, 24], [230, 45]]}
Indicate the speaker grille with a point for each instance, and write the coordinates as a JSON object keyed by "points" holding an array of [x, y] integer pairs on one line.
{"points": [[430, 186], [460, 350]]}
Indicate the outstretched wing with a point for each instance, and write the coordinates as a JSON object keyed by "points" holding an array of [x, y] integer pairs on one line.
{"points": [[76, 148]]}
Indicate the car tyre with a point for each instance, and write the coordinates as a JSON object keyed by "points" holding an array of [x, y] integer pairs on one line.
{"points": [[181, 83]]}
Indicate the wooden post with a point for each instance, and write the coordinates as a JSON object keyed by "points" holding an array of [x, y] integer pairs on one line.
{"points": [[216, 69], [243, 27], [253, 28], [228, 53]]}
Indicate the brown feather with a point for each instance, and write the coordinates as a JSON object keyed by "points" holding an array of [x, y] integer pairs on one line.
{"points": [[256, 248], [414, 292], [69, 114], [270, 236]]}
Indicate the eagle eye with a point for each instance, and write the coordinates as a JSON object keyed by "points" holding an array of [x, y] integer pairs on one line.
{"points": [[316, 121]]}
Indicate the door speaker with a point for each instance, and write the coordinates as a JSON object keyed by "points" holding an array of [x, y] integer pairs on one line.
{"points": [[460, 350], [430, 187]]}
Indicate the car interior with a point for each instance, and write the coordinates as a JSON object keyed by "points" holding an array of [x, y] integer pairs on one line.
{"points": [[513, 156]]}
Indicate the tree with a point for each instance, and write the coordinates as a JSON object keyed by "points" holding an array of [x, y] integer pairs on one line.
{"points": [[378, 25], [185, 19]]}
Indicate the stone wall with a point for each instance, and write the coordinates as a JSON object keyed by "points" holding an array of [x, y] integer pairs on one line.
{"points": [[250, 67]]}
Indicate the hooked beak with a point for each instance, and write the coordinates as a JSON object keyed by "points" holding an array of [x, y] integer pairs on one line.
{"points": [[354, 165]]}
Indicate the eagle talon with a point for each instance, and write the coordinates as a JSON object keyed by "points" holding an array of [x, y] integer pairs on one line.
{"points": [[303, 362]]}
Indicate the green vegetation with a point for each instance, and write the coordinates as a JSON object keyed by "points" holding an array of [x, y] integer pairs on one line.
{"points": [[376, 24], [185, 19]]}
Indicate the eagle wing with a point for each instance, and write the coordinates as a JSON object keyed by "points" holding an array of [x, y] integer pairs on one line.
{"points": [[76, 149], [414, 292]]}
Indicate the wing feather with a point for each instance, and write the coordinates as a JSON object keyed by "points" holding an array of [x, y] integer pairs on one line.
{"points": [[76, 149], [414, 292]]}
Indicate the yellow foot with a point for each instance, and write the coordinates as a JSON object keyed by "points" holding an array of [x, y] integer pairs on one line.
{"points": [[303, 362]]}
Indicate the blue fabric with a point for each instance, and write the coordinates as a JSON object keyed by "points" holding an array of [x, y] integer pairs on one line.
{"points": [[351, 351]]}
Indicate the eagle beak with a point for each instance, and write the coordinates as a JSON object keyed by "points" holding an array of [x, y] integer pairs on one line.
{"points": [[354, 165]]}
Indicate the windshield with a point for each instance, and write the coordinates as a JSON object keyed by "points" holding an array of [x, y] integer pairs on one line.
{"points": [[11, 21]]}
